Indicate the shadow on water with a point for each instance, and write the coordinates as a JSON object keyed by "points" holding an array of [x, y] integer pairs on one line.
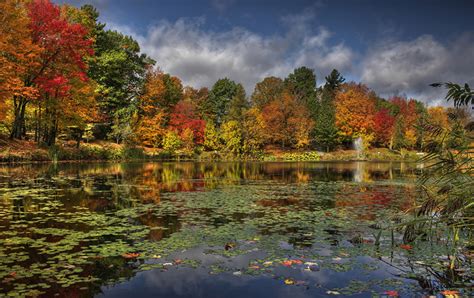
{"points": [[203, 229]]}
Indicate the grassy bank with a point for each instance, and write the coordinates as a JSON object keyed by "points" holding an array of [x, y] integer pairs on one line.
{"points": [[27, 151]]}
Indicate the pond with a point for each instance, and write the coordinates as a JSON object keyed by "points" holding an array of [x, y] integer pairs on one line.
{"points": [[212, 230]]}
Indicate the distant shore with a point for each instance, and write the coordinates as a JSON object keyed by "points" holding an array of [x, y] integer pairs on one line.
{"points": [[25, 151]]}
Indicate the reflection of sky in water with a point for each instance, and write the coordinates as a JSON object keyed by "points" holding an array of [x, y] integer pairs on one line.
{"points": [[186, 282]]}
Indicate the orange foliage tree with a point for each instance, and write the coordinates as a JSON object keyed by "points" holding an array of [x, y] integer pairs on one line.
{"points": [[150, 127], [287, 121], [17, 52], [355, 110]]}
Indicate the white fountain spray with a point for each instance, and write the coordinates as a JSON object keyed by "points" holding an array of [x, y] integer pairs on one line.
{"points": [[359, 147]]}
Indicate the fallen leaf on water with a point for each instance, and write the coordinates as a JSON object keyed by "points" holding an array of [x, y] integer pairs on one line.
{"points": [[450, 293], [268, 263], [256, 267], [406, 246], [289, 281], [13, 274], [156, 257], [178, 261], [391, 293], [131, 255], [288, 263]]}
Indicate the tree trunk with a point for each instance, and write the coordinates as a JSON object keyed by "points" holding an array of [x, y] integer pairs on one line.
{"points": [[18, 127]]}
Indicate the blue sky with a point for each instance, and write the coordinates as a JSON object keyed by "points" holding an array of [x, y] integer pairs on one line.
{"points": [[395, 47]]}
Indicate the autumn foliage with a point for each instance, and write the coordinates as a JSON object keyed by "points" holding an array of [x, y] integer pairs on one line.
{"points": [[355, 110], [61, 71]]}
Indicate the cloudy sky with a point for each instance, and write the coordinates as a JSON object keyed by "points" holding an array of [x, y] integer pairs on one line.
{"points": [[395, 47]]}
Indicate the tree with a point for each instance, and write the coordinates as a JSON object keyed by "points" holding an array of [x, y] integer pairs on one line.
{"points": [[325, 132], [287, 121], [211, 137], [64, 47], [199, 99], [119, 69], [152, 117], [184, 117], [217, 104], [18, 53], [237, 105], [334, 80], [171, 141], [231, 135], [173, 91], [406, 120], [266, 91], [301, 83], [355, 109], [384, 127], [253, 132]]}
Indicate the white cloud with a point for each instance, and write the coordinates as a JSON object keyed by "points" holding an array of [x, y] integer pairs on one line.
{"points": [[200, 57], [408, 67]]}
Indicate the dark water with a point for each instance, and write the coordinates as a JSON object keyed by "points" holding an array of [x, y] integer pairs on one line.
{"points": [[213, 230]]}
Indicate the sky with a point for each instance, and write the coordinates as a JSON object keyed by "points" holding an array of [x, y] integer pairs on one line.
{"points": [[394, 47]]}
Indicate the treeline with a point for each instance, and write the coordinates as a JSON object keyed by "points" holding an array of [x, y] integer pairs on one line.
{"points": [[62, 74]]}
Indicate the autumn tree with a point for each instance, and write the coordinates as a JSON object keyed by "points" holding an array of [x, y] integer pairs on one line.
{"points": [[405, 125], [150, 126], [18, 54], [199, 98], [384, 127], [355, 110], [184, 119], [266, 91], [287, 121], [254, 131], [231, 134], [64, 47]]}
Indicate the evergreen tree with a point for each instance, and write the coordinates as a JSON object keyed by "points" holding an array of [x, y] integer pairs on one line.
{"points": [[218, 103], [334, 81], [237, 105], [326, 131], [302, 85]]}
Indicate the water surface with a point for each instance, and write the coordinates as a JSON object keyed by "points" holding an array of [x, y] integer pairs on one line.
{"points": [[210, 230]]}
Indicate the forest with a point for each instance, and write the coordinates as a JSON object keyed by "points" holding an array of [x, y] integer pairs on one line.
{"points": [[66, 79]]}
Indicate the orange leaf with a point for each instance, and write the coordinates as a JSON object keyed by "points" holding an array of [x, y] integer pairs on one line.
{"points": [[131, 255], [406, 246], [391, 293], [450, 293]]}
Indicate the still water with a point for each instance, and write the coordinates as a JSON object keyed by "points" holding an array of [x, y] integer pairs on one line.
{"points": [[211, 230]]}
